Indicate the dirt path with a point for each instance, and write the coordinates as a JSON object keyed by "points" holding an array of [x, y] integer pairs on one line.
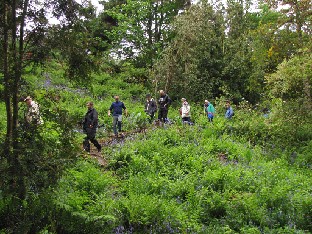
{"points": [[111, 141]]}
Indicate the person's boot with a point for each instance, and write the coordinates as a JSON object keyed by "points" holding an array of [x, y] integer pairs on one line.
{"points": [[99, 148]]}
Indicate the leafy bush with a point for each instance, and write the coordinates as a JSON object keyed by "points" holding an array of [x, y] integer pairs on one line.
{"points": [[84, 200]]}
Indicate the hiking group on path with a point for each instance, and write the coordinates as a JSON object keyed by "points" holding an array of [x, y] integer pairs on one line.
{"points": [[90, 121]]}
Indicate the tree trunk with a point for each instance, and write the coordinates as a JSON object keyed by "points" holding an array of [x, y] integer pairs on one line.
{"points": [[7, 100], [12, 69]]}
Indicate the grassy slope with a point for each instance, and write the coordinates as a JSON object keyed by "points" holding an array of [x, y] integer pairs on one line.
{"points": [[177, 179], [196, 179]]}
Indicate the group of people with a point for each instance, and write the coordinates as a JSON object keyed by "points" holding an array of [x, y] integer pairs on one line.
{"points": [[210, 111], [116, 109], [90, 121], [165, 101]]}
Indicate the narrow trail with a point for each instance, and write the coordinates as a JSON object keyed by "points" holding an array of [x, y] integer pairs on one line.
{"points": [[111, 141]]}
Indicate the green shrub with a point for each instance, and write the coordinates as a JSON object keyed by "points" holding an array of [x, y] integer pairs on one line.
{"points": [[84, 200]]}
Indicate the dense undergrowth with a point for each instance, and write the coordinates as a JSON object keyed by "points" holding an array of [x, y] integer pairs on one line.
{"points": [[251, 174], [187, 179]]}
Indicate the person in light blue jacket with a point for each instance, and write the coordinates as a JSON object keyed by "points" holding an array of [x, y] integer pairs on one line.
{"points": [[229, 113]]}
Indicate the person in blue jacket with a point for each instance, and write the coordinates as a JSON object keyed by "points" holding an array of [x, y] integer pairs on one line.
{"points": [[229, 113], [117, 108]]}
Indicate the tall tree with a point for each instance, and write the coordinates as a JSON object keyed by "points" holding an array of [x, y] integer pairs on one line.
{"points": [[14, 15], [274, 37], [237, 50], [291, 90], [262, 35], [192, 63], [26, 39], [297, 14], [143, 27]]}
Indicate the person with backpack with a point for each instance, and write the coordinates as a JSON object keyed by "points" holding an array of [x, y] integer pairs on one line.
{"points": [[209, 110], [117, 108], [229, 113], [32, 115], [164, 102], [185, 111], [150, 107], [90, 124]]}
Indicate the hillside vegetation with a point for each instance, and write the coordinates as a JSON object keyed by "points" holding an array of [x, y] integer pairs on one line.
{"points": [[249, 174]]}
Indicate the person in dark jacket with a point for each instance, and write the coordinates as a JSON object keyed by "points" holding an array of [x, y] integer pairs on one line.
{"points": [[90, 124], [150, 107], [164, 102], [117, 107]]}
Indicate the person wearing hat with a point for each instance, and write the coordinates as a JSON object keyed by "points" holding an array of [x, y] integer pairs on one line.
{"points": [[32, 114], [150, 107], [209, 110]]}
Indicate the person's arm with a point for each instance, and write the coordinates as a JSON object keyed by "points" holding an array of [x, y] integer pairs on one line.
{"points": [[231, 112], [168, 102], [186, 110], [228, 114], [109, 110], [125, 108], [154, 106], [145, 106], [94, 119]]}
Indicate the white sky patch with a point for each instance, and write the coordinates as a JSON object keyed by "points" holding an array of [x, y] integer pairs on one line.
{"points": [[99, 8]]}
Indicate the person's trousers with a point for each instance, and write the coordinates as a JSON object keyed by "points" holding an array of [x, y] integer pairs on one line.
{"points": [[117, 120], [186, 119], [90, 137], [151, 117], [162, 115]]}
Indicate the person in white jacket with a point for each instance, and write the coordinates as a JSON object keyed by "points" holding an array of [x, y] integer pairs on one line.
{"points": [[32, 115], [185, 111]]}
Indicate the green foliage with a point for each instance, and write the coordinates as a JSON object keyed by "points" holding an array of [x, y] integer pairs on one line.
{"points": [[250, 174], [84, 200], [143, 27], [225, 176], [2, 119], [293, 79], [192, 63]]}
